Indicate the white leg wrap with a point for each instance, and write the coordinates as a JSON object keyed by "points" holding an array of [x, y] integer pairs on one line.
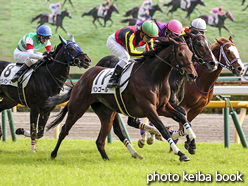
{"points": [[151, 139], [173, 146], [189, 131], [148, 128], [27, 133], [143, 138], [33, 146], [177, 134], [130, 148]]}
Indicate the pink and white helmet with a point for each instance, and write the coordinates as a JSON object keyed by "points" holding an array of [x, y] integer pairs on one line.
{"points": [[58, 4], [175, 26]]}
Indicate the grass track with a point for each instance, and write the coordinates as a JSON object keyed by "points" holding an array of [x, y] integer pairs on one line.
{"points": [[79, 163], [16, 16]]}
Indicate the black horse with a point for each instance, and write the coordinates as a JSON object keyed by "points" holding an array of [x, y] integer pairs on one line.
{"points": [[176, 4], [47, 80], [134, 13], [44, 18], [94, 12], [221, 21]]}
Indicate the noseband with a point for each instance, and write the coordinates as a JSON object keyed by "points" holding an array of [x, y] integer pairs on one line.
{"points": [[197, 56], [228, 63], [73, 60], [178, 67]]}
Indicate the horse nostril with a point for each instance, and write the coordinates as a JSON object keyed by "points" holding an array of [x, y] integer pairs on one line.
{"points": [[192, 76], [212, 64]]}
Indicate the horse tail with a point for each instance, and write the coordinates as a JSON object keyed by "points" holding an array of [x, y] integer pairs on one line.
{"points": [[90, 12], [128, 13], [59, 99], [59, 118], [130, 22], [126, 20], [34, 18]]}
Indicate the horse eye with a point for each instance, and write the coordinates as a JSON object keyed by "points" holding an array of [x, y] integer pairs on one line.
{"points": [[199, 45], [180, 54], [228, 51]]}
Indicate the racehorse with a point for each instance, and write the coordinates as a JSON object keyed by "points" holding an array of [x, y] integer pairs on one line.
{"points": [[134, 13], [47, 80], [202, 54], [220, 24], [143, 97], [200, 93], [94, 12], [44, 18], [176, 4]]}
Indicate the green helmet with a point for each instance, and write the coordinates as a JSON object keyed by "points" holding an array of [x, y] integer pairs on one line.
{"points": [[149, 28]]}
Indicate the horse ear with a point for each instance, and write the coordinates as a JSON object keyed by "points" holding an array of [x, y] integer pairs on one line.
{"points": [[62, 40], [72, 38], [231, 39]]}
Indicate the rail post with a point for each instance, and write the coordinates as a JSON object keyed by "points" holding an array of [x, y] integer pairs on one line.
{"points": [[8, 113]]}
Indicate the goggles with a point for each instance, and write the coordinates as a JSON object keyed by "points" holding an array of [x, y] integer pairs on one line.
{"points": [[45, 37]]}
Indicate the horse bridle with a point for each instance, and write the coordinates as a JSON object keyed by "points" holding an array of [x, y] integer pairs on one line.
{"points": [[197, 56], [73, 60], [178, 67], [228, 63]]}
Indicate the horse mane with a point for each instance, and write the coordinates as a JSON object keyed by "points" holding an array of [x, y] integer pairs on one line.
{"points": [[160, 44], [57, 48]]}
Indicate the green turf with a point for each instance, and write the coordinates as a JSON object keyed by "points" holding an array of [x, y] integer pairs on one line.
{"points": [[79, 163], [16, 16]]}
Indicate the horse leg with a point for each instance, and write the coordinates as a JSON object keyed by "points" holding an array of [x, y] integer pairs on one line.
{"points": [[94, 22], [111, 22], [150, 111], [42, 122], [106, 117], [76, 110], [228, 30], [63, 3], [118, 130], [65, 31], [34, 112], [56, 29]]}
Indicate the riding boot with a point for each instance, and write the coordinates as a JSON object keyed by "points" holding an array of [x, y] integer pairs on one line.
{"points": [[19, 73], [114, 79]]}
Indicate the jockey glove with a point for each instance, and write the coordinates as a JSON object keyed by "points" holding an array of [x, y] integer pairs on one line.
{"points": [[150, 53]]}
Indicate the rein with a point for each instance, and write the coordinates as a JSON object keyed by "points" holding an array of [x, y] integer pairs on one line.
{"points": [[228, 63]]}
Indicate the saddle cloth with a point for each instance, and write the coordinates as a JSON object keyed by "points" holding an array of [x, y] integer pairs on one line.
{"points": [[185, 5], [99, 85], [9, 72]]}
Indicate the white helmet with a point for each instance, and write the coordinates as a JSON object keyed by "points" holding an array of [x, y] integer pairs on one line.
{"points": [[199, 24]]}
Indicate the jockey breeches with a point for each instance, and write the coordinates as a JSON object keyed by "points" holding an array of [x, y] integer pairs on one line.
{"points": [[118, 50], [22, 57]]}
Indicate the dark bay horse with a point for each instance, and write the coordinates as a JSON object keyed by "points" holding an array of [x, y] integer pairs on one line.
{"points": [[200, 93], [176, 4], [46, 81], [44, 18], [94, 12], [220, 24], [202, 54], [134, 13], [146, 95]]}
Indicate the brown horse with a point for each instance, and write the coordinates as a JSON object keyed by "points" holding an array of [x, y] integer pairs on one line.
{"points": [[146, 95], [200, 93]]}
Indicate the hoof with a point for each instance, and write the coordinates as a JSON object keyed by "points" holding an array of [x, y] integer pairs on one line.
{"points": [[186, 145], [136, 155], [150, 140], [184, 158], [191, 150], [158, 136], [140, 144], [20, 131], [53, 155]]}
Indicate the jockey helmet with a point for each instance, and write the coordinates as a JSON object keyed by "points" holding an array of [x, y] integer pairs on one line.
{"points": [[44, 30], [58, 4], [108, 1], [175, 26], [199, 24], [149, 28], [220, 8]]}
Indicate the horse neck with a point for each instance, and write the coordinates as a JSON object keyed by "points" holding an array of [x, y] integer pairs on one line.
{"points": [[206, 80]]}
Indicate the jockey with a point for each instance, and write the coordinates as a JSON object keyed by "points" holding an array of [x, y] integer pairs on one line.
{"points": [[24, 52], [172, 28], [198, 24], [55, 9], [123, 43], [144, 13], [216, 12], [105, 6]]}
